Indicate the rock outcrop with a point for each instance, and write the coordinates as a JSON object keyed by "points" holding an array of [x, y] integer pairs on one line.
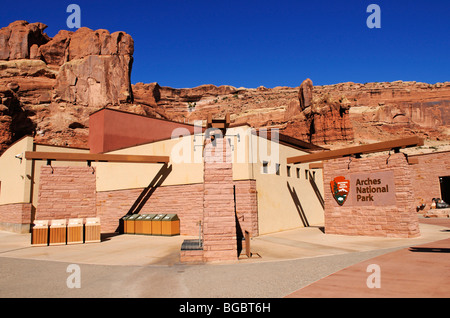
{"points": [[305, 94], [20, 40], [340, 113], [49, 86], [61, 80]]}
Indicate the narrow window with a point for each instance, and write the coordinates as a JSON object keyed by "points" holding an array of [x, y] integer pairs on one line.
{"points": [[288, 171], [278, 168], [298, 173], [306, 174], [265, 167]]}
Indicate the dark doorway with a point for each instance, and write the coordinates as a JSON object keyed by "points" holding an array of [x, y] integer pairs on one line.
{"points": [[445, 188]]}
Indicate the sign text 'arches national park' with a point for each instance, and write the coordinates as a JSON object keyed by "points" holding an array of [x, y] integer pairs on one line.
{"points": [[364, 189]]}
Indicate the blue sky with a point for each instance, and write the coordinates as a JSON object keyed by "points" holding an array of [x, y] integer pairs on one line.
{"points": [[181, 43]]}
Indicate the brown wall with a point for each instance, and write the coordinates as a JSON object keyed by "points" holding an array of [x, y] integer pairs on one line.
{"points": [[393, 220], [426, 176], [111, 129]]}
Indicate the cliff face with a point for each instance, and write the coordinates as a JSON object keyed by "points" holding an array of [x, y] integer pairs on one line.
{"points": [[345, 112], [49, 86]]}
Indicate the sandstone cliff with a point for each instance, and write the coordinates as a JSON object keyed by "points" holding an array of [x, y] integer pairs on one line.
{"points": [[59, 81], [49, 86], [341, 113]]}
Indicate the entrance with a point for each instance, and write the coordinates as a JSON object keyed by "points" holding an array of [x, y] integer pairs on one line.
{"points": [[445, 188]]}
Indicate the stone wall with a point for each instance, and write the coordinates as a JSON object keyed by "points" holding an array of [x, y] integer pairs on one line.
{"points": [[426, 176], [69, 192], [392, 218], [247, 206], [15, 217], [184, 200], [66, 192]]}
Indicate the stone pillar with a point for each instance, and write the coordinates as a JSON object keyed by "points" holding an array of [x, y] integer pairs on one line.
{"points": [[219, 223]]}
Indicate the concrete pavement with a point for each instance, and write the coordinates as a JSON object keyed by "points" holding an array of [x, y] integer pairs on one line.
{"points": [[288, 263]]}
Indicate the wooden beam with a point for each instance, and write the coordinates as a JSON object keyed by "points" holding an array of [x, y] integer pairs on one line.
{"points": [[413, 161], [316, 165], [67, 156], [358, 150]]}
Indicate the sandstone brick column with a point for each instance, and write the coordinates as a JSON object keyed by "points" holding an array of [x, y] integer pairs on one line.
{"points": [[247, 205], [219, 223]]}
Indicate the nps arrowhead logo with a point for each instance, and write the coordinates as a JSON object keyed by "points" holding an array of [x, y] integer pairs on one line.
{"points": [[340, 188]]}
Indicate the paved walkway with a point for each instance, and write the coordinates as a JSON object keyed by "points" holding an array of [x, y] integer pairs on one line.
{"points": [[290, 263], [419, 271]]}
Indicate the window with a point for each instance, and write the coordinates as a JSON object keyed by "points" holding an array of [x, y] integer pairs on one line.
{"points": [[288, 171], [265, 167], [298, 173], [277, 165], [306, 174]]}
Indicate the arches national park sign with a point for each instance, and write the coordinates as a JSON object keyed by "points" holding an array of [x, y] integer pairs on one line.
{"points": [[364, 189]]}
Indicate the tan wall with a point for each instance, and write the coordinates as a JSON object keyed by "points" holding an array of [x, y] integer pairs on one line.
{"points": [[20, 180], [15, 174], [286, 202], [277, 208], [120, 176]]}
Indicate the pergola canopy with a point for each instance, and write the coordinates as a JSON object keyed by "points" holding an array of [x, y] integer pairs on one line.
{"points": [[358, 150]]}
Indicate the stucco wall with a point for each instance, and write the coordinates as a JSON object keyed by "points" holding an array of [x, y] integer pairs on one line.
{"points": [[15, 174], [286, 202]]}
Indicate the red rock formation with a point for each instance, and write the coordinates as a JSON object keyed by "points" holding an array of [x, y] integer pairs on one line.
{"points": [[17, 39], [382, 111], [49, 86], [305, 94], [14, 120], [63, 79], [55, 52]]}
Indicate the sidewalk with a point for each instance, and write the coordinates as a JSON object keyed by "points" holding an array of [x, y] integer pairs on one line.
{"points": [[419, 271], [324, 265], [142, 250]]}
